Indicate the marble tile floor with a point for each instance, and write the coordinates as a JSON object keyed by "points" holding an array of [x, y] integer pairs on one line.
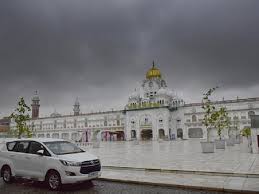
{"points": [[176, 155]]}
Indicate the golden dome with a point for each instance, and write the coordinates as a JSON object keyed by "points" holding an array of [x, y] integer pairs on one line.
{"points": [[153, 72]]}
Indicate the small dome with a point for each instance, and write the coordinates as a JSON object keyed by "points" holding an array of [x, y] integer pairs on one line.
{"points": [[153, 73], [162, 91], [55, 114], [134, 95], [36, 96], [170, 93]]}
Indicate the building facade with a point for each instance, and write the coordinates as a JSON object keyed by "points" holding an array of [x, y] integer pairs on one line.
{"points": [[4, 127], [153, 112]]}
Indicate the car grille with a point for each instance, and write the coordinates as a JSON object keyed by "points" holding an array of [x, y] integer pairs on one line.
{"points": [[90, 166]]}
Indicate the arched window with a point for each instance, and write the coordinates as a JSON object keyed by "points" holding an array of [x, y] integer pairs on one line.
{"points": [[251, 113], [133, 134], [235, 118], [194, 118]]}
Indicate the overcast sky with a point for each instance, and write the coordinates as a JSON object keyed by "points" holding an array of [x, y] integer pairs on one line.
{"points": [[100, 50]]}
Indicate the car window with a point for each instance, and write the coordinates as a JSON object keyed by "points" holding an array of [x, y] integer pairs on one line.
{"points": [[21, 146], [10, 145], [36, 146]]}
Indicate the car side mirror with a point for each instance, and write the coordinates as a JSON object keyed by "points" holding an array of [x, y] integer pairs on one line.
{"points": [[40, 152]]}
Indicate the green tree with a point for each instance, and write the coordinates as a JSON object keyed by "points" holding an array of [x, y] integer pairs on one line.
{"points": [[246, 132], [20, 116], [209, 109], [220, 120]]}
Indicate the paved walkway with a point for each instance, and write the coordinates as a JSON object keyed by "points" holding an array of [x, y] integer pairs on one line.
{"points": [[180, 163], [177, 155], [191, 181]]}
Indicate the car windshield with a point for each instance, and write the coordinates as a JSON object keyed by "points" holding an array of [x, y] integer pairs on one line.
{"points": [[63, 147]]}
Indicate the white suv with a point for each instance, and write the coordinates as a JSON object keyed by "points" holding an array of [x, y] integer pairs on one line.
{"points": [[54, 161]]}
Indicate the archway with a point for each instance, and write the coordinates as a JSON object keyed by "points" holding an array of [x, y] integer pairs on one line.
{"points": [[180, 133], [161, 133], [232, 132], [146, 134], [74, 136], [104, 135], [65, 136], [194, 118], [195, 133], [55, 135], [41, 135], [120, 136], [133, 134], [251, 113]]}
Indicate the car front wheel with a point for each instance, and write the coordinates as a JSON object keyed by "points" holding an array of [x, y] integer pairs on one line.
{"points": [[7, 174], [53, 181]]}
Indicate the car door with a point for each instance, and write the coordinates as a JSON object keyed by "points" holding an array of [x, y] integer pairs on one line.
{"points": [[19, 158], [37, 162]]}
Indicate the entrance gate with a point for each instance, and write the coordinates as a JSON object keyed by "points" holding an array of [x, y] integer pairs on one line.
{"points": [[180, 133], [161, 134], [146, 134]]}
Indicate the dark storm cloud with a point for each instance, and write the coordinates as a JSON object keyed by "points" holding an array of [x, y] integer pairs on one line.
{"points": [[99, 50]]}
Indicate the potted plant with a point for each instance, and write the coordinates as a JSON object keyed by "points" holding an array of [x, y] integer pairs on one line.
{"points": [[209, 108], [246, 132], [221, 121]]}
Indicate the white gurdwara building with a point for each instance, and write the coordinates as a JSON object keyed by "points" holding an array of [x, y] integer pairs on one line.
{"points": [[153, 112]]}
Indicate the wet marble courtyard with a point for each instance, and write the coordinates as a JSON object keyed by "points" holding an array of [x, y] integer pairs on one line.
{"points": [[177, 155]]}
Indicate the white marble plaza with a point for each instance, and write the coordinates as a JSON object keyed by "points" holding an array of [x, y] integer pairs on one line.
{"points": [[177, 155]]}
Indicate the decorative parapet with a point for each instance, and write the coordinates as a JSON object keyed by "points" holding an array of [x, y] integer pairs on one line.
{"points": [[144, 105], [146, 126]]}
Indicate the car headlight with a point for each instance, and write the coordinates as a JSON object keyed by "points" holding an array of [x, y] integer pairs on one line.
{"points": [[70, 163]]}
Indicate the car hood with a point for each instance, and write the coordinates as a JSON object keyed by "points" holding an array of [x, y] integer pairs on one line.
{"points": [[78, 157]]}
